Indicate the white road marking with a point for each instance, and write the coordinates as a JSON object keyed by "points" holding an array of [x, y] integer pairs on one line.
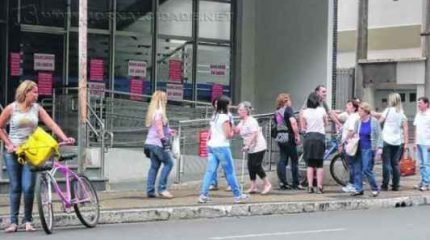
{"points": [[279, 234]]}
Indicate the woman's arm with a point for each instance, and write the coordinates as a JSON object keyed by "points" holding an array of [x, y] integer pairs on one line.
{"points": [[4, 118], [405, 133], [228, 130], [49, 122], [159, 128], [295, 129]]}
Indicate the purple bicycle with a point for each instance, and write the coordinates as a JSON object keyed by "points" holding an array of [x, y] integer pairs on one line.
{"points": [[79, 193]]}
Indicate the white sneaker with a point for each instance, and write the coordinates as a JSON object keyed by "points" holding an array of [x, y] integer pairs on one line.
{"points": [[348, 188], [203, 199], [241, 199]]}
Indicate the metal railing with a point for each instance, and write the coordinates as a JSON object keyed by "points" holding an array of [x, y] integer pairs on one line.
{"points": [[190, 166]]}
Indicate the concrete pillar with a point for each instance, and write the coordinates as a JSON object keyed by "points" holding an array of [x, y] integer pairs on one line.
{"points": [[361, 49], [425, 44]]}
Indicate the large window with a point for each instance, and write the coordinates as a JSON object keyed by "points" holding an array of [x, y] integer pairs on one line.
{"points": [[46, 12], [214, 20]]}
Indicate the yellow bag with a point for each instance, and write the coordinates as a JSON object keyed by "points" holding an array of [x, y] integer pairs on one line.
{"points": [[38, 148]]}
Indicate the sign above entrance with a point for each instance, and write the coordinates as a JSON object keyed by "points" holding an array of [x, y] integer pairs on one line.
{"points": [[137, 69], [44, 62]]}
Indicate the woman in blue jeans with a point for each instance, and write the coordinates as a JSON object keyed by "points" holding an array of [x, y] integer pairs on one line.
{"points": [[221, 131], [23, 116], [370, 143], [157, 145]]}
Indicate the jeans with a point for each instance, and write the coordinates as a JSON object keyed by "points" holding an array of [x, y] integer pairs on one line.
{"points": [[214, 181], [286, 151], [22, 180], [217, 155], [350, 161], [363, 166], [158, 156], [423, 155], [391, 157]]}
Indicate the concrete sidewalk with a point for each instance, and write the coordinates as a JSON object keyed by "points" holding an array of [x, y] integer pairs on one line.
{"points": [[133, 206]]}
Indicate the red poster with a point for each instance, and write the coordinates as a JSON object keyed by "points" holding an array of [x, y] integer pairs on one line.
{"points": [[203, 142], [96, 70], [15, 64], [217, 90], [175, 70], [44, 83], [136, 87]]}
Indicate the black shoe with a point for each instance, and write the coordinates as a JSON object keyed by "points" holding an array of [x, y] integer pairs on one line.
{"points": [[395, 189], [357, 193], [151, 195], [298, 187], [284, 187], [384, 188], [310, 190]]}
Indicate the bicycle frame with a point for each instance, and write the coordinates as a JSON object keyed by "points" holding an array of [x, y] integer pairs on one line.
{"points": [[333, 149], [66, 197]]}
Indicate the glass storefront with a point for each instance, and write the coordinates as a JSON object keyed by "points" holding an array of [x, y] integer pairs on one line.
{"points": [[125, 55]]}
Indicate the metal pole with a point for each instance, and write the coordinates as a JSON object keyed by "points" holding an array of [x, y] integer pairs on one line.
{"points": [[83, 4], [270, 146], [67, 46], [154, 64], [361, 49], [195, 37], [112, 63], [425, 44], [179, 160]]}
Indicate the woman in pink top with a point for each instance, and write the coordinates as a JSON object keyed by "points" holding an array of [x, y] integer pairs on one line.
{"points": [[255, 144]]}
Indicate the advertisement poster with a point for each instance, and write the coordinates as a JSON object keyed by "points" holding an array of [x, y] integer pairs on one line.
{"points": [[218, 70], [175, 91], [97, 89], [15, 64], [96, 70], [44, 62], [217, 90], [136, 87], [137, 69], [44, 83], [175, 71]]}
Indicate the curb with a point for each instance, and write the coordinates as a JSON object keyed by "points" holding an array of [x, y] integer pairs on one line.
{"points": [[236, 210]]}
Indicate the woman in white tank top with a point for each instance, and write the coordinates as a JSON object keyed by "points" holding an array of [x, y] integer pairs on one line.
{"points": [[23, 117]]}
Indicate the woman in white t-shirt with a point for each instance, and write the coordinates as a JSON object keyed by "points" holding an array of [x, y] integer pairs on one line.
{"points": [[255, 144], [314, 119], [395, 137], [221, 132]]}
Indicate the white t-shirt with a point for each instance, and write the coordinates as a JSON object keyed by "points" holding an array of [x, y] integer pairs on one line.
{"points": [[393, 126], [315, 119], [422, 124], [349, 124], [217, 137], [247, 128]]}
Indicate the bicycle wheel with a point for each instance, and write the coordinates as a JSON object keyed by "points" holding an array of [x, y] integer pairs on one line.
{"points": [[85, 201], [339, 170], [44, 201]]}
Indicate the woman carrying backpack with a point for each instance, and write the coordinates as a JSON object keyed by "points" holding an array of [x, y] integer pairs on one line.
{"points": [[286, 134]]}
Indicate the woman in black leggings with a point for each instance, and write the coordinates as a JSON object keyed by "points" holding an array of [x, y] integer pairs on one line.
{"points": [[255, 144]]}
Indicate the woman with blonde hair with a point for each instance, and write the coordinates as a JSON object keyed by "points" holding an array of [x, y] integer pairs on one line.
{"points": [[157, 145], [287, 136], [23, 116], [395, 137]]}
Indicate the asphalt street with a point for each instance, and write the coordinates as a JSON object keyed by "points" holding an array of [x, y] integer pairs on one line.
{"points": [[395, 224]]}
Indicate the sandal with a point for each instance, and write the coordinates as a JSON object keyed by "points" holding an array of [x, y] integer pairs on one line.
{"points": [[12, 228], [29, 227]]}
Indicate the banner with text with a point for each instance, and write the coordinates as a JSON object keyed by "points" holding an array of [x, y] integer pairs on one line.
{"points": [[175, 71], [218, 70], [44, 83], [15, 64], [97, 89], [175, 91], [137, 69], [44, 62], [136, 87], [217, 90], [96, 70]]}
